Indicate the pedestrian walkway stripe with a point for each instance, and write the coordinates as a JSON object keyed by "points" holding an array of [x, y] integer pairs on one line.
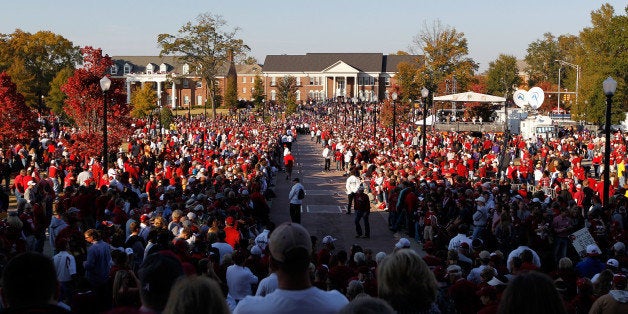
{"points": [[324, 209]]}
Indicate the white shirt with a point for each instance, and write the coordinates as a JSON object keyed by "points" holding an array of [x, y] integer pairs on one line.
{"points": [[456, 241], [293, 197], [65, 265], [223, 248], [516, 252], [262, 239], [267, 285], [308, 301], [239, 281], [352, 185], [326, 153]]}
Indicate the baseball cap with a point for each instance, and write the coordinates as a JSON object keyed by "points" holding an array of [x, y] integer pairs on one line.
{"points": [[328, 239], [230, 220], [287, 238], [485, 255], [454, 269], [612, 263], [256, 250], [402, 243], [73, 210], [593, 249], [536, 200], [619, 281], [619, 246], [480, 199]]}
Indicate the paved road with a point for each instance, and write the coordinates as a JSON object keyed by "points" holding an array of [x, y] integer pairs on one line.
{"points": [[324, 207]]}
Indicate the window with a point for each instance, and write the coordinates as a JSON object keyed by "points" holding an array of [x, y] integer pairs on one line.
{"points": [[252, 79], [298, 80], [199, 100], [273, 82], [298, 95], [114, 69], [199, 84], [163, 68], [273, 95], [244, 79], [186, 69], [186, 83], [311, 80], [387, 81], [310, 95], [360, 80], [186, 99], [252, 89], [127, 68], [244, 90], [149, 68]]}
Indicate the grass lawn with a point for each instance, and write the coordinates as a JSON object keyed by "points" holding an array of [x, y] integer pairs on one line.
{"points": [[200, 110]]}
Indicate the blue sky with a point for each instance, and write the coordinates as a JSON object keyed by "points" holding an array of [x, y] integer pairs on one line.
{"points": [[297, 27]]}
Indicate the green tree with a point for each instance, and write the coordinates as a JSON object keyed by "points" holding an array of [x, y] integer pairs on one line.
{"points": [[602, 53], [56, 98], [286, 93], [205, 46], [258, 92], [540, 57], [408, 78], [144, 101], [502, 75], [43, 54], [166, 117], [445, 51], [231, 88]]}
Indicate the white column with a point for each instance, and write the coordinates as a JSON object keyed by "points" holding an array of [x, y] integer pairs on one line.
{"points": [[345, 89], [173, 96], [355, 86], [159, 94], [128, 91]]}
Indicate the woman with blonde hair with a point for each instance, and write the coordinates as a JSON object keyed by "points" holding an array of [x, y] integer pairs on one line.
{"points": [[196, 294], [406, 283]]}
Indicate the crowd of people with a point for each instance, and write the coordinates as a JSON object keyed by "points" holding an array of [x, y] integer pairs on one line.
{"points": [[180, 221]]}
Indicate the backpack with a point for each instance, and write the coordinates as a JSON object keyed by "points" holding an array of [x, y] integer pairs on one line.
{"points": [[301, 194]]}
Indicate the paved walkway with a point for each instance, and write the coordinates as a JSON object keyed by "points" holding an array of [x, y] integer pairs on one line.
{"points": [[324, 207]]}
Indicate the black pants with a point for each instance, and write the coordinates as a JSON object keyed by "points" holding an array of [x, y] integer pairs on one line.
{"points": [[295, 213], [327, 163], [350, 201], [364, 215]]}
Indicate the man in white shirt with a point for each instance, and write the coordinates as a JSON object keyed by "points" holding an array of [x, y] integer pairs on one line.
{"points": [[295, 201], [327, 154], [290, 246], [351, 187], [239, 278], [461, 237], [65, 265], [516, 252]]}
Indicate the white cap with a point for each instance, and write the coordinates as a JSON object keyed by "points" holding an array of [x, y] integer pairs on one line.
{"points": [[403, 243], [593, 249], [329, 239], [480, 199]]}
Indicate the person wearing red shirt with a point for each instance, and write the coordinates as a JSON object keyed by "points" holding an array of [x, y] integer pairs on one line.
{"points": [[288, 160], [231, 232]]}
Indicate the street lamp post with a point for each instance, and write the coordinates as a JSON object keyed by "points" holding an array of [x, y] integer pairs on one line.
{"points": [[609, 86], [425, 93], [394, 135], [575, 66], [105, 84]]}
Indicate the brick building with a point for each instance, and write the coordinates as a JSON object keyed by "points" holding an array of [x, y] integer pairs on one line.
{"points": [[319, 76]]}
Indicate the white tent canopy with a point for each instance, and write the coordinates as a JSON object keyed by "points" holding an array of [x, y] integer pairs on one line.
{"points": [[470, 97], [429, 120]]}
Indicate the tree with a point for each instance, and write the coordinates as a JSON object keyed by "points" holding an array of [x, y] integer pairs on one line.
{"points": [[166, 116], [258, 92], [231, 88], [84, 106], [445, 51], [56, 98], [19, 122], [602, 53], [144, 101], [408, 78], [286, 93], [43, 54], [541, 57], [205, 46], [502, 75]]}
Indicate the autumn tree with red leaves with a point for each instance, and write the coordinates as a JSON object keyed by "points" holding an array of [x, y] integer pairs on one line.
{"points": [[19, 122], [84, 106]]}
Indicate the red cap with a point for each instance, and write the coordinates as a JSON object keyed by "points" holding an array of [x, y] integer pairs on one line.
{"points": [[230, 220]]}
